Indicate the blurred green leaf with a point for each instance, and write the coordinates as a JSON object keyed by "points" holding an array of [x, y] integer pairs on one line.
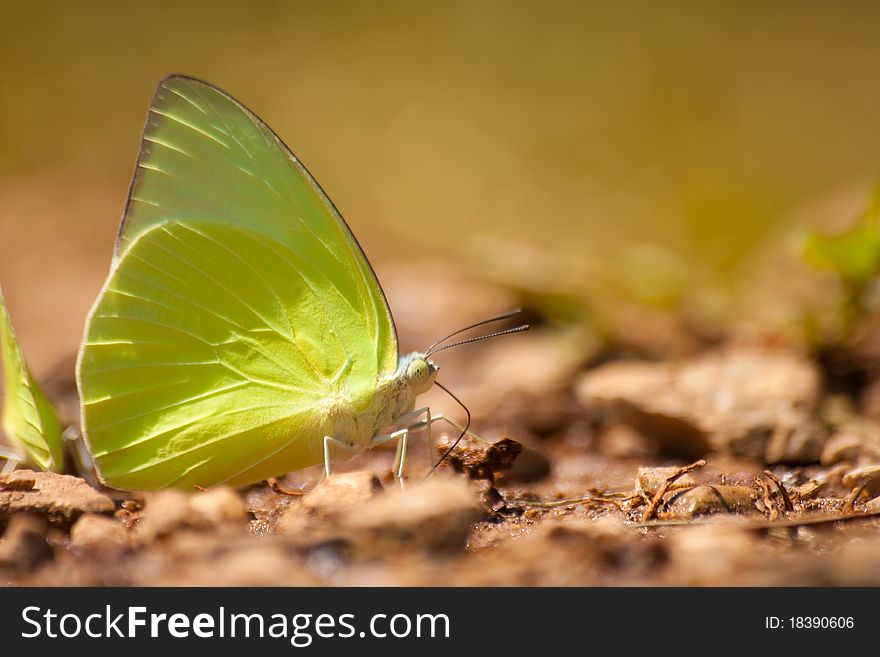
{"points": [[853, 254], [650, 274]]}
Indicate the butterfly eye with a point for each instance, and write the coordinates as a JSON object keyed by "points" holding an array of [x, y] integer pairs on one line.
{"points": [[417, 370]]}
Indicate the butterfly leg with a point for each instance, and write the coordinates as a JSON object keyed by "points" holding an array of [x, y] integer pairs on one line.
{"points": [[462, 431], [402, 434], [427, 423], [455, 425], [83, 463], [402, 438], [11, 459], [400, 455], [328, 440]]}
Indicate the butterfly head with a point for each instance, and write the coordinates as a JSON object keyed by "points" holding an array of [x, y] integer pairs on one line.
{"points": [[420, 372]]}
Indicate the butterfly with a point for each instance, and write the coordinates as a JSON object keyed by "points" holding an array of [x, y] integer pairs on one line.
{"points": [[241, 333]]}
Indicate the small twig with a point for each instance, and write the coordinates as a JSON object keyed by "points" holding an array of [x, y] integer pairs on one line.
{"points": [[786, 500], [808, 490], [851, 500], [767, 496], [551, 504], [658, 496], [746, 525]]}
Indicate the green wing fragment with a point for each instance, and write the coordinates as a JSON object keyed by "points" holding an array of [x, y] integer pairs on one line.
{"points": [[28, 420]]}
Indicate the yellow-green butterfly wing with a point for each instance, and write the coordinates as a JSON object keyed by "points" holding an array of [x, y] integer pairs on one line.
{"points": [[28, 420], [238, 306]]}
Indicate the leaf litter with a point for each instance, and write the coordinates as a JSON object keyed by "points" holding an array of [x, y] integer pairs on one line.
{"points": [[730, 463]]}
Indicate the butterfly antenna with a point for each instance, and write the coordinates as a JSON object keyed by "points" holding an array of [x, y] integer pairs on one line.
{"points": [[467, 426], [515, 329], [497, 318]]}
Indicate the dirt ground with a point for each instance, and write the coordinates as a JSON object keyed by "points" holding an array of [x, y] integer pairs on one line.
{"points": [[661, 457]]}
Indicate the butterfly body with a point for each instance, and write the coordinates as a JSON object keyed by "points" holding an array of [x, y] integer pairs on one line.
{"points": [[395, 396]]}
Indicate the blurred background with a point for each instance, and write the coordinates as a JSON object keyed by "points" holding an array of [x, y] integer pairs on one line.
{"points": [[654, 146]]}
